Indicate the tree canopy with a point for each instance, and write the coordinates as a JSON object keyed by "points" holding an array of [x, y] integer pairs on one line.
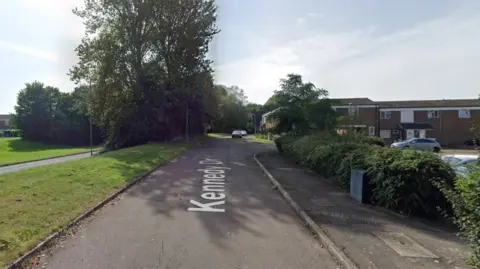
{"points": [[45, 114], [301, 106], [232, 112], [146, 61]]}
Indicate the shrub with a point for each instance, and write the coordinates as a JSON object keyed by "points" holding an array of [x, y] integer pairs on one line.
{"points": [[405, 180], [283, 141], [464, 196], [373, 140], [354, 160]]}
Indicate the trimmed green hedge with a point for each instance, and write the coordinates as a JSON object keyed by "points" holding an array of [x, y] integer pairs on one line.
{"points": [[465, 199], [416, 183], [403, 180]]}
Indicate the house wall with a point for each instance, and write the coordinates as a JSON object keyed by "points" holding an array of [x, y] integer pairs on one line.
{"points": [[366, 117], [449, 129]]}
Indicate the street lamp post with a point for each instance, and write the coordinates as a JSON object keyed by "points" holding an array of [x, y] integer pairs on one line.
{"points": [[90, 116]]}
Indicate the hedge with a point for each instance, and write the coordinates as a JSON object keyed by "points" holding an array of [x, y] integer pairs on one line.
{"points": [[416, 183], [403, 180], [465, 199]]}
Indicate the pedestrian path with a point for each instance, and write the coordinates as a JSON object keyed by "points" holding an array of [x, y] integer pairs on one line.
{"points": [[371, 237], [28, 165]]}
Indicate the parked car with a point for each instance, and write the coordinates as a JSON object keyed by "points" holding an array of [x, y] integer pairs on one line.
{"points": [[461, 163], [244, 133], [472, 142], [237, 134], [418, 144]]}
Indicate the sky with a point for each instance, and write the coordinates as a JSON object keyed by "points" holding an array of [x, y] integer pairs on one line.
{"points": [[380, 49]]}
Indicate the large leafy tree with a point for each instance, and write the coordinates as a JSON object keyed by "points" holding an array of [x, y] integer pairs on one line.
{"points": [[301, 107], [146, 62], [47, 115], [232, 112]]}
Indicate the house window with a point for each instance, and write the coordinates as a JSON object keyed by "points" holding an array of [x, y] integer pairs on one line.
{"points": [[432, 114], [385, 134], [371, 130], [464, 114], [352, 110], [385, 115]]}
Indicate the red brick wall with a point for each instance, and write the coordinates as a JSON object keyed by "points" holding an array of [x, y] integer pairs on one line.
{"points": [[449, 130]]}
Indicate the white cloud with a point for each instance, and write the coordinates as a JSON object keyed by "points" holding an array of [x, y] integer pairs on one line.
{"points": [[436, 59], [32, 51]]}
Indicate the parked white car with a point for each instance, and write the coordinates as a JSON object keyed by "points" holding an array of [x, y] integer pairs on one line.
{"points": [[418, 144], [237, 134], [244, 133], [460, 163]]}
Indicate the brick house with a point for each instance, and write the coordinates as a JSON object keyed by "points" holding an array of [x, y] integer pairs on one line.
{"points": [[448, 121], [266, 123], [4, 122]]}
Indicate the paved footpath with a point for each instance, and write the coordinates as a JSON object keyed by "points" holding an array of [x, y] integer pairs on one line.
{"points": [[32, 164], [371, 237], [212, 208]]}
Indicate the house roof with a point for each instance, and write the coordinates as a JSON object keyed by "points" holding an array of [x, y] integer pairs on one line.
{"points": [[4, 117], [430, 103], [410, 103], [270, 112], [353, 101]]}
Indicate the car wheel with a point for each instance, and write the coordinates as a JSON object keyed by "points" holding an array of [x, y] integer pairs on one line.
{"points": [[436, 150]]}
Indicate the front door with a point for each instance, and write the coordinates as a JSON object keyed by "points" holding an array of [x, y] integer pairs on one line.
{"points": [[410, 133]]}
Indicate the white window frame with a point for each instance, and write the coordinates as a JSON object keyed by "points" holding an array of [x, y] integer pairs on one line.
{"points": [[352, 110], [386, 134], [371, 130], [466, 114], [433, 114], [385, 115]]}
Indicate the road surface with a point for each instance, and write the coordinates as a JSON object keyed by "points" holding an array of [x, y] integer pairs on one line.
{"points": [[23, 166], [212, 208]]}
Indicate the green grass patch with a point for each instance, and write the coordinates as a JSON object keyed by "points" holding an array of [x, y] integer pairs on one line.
{"points": [[39, 201], [14, 150], [218, 135], [262, 140]]}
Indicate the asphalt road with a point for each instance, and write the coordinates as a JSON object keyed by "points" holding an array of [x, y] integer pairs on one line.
{"points": [[23, 166], [167, 221]]}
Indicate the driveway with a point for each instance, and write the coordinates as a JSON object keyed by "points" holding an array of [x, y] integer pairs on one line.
{"points": [[212, 208]]}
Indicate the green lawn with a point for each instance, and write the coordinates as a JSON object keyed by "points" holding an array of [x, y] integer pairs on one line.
{"points": [[218, 135], [39, 201], [13, 150], [262, 140]]}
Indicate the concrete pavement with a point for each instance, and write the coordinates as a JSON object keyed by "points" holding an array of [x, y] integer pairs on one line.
{"points": [[211, 208], [28, 165], [371, 237]]}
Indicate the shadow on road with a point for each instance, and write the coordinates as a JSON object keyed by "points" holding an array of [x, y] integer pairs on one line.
{"points": [[249, 195]]}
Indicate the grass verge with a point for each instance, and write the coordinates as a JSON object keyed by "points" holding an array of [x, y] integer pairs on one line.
{"points": [[15, 150], [218, 135], [39, 201], [262, 140]]}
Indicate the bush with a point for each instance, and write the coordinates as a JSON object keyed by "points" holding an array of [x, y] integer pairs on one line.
{"points": [[373, 140], [464, 196], [405, 180], [354, 160]]}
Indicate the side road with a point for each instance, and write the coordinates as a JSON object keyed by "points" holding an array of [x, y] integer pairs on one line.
{"points": [[370, 237], [27, 165]]}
